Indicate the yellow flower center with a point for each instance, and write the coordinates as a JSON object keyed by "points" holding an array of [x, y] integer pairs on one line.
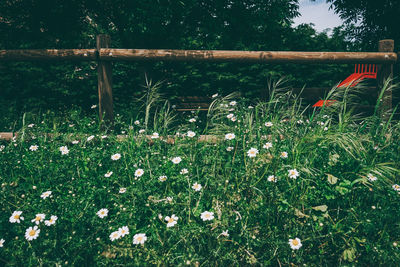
{"points": [[38, 218], [171, 220], [32, 232], [295, 242], [16, 217], [139, 238]]}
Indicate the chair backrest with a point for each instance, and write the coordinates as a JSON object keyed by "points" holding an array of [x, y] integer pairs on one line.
{"points": [[365, 68]]}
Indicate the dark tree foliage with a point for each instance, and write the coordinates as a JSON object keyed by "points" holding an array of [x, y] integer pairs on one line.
{"points": [[164, 24], [369, 21]]}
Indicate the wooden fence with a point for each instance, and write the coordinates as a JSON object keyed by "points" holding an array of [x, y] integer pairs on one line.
{"points": [[104, 55]]}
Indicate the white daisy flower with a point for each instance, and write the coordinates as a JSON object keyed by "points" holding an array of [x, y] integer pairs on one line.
{"points": [[137, 122], [230, 116], [371, 177], [108, 174], [191, 134], [32, 233], [252, 152], [124, 230], [171, 220], [116, 156], [225, 233], [102, 213], [139, 239], [103, 136], [93, 106], [396, 187], [196, 187], [184, 171], [293, 174], [214, 95], [2, 242], [115, 235], [284, 155], [229, 148], [33, 148], [90, 138], [169, 199], [142, 131], [139, 172], [230, 136], [295, 243], [176, 160], [192, 120], [31, 125], [268, 124], [64, 150], [272, 178], [300, 122], [52, 220], [207, 216], [155, 136], [75, 142], [325, 128], [16, 217], [162, 178], [122, 190], [267, 145], [233, 103], [39, 218], [45, 194], [233, 119]]}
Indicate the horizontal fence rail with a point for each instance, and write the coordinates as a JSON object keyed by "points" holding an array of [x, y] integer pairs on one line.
{"points": [[48, 54], [198, 55], [247, 56]]}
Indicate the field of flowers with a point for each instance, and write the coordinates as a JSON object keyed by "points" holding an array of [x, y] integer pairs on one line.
{"points": [[275, 184]]}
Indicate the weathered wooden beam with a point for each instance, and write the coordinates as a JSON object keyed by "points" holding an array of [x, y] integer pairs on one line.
{"points": [[48, 54], [170, 139], [385, 72], [104, 78], [247, 56], [198, 55]]}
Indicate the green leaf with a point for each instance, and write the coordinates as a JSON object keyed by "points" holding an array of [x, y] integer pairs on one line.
{"points": [[332, 179], [349, 254], [322, 208], [300, 214], [342, 190]]}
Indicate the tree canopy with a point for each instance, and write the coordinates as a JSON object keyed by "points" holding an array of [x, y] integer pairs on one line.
{"points": [[369, 21]]}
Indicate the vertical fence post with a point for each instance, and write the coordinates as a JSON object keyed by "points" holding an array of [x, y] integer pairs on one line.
{"points": [[104, 79], [385, 71]]}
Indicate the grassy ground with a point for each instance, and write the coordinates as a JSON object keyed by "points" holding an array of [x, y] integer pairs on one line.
{"points": [[282, 186]]}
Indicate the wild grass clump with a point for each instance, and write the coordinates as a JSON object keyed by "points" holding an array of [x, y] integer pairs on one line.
{"points": [[281, 184]]}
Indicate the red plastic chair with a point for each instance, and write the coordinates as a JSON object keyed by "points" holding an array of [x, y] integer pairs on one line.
{"points": [[361, 72]]}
